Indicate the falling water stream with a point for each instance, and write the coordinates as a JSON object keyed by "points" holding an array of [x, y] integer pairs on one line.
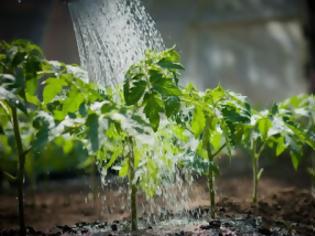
{"points": [[111, 35]]}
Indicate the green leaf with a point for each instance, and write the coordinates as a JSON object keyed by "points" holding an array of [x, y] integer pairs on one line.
{"points": [[73, 102], [92, 132], [179, 132], [172, 106], [264, 125], [42, 124], [7, 81], [168, 64], [295, 158], [217, 94], [67, 146], [302, 136], [198, 122], [232, 115], [152, 109], [166, 87], [215, 139], [201, 151], [137, 157], [169, 59], [123, 172], [53, 86], [12, 99], [107, 107], [88, 162], [118, 151], [134, 89], [5, 108], [163, 85], [281, 146]]}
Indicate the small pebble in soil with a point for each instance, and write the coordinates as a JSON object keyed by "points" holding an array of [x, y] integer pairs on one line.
{"points": [[215, 224], [114, 227], [264, 230]]}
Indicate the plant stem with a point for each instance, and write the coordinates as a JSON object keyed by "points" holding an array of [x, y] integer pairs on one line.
{"points": [[255, 166], [21, 167], [132, 185], [211, 178], [211, 181]]}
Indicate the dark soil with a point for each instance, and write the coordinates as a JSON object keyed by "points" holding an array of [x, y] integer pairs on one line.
{"points": [[67, 210]]}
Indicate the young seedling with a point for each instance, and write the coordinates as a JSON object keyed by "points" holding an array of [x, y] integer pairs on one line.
{"points": [[118, 129], [151, 86], [32, 121], [19, 63], [301, 109], [216, 122], [276, 128]]}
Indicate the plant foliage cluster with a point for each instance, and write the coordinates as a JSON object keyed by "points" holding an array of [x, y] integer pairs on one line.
{"points": [[145, 128]]}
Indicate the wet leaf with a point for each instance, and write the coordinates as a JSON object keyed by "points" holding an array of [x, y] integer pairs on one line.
{"points": [[198, 122], [53, 86], [152, 109], [172, 106], [92, 131], [134, 89]]}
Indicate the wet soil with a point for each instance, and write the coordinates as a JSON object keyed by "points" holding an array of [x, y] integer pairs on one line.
{"points": [[71, 209]]}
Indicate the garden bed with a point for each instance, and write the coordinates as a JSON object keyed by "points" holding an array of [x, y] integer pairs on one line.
{"points": [[68, 208]]}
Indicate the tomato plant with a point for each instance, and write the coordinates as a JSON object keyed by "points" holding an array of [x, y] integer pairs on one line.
{"points": [[151, 87], [19, 63], [302, 108], [32, 110], [278, 128], [215, 118], [120, 130]]}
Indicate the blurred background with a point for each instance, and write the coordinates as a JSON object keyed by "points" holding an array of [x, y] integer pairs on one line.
{"points": [[261, 48], [264, 49]]}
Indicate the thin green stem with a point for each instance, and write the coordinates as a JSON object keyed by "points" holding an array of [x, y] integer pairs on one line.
{"points": [[21, 169], [211, 179], [133, 186], [255, 178], [255, 167], [219, 150]]}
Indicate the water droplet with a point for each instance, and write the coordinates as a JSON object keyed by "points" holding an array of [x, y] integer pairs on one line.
{"points": [[122, 31]]}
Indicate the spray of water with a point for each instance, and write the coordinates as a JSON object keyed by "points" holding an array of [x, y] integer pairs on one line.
{"points": [[111, 35]]}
